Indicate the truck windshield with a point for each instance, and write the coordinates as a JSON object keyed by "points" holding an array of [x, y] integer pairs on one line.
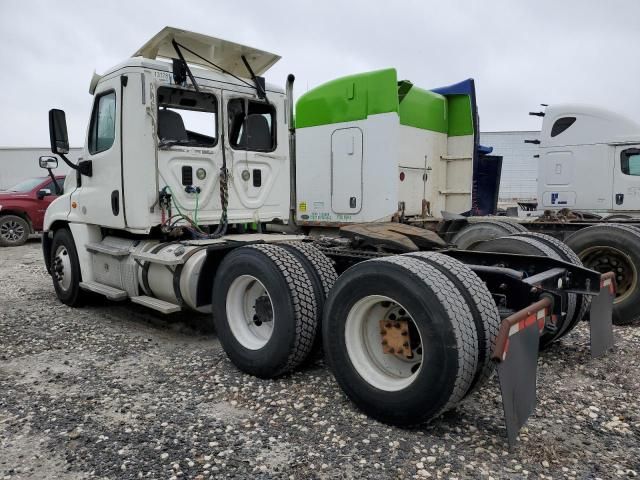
{"points": [[26, 185], [186, 118]]}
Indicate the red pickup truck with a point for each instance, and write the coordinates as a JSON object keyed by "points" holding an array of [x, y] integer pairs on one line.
{"points": [[22, 208]]}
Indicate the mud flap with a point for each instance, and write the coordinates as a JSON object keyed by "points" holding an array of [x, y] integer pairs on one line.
{"points": [[517, 353], [600, 323]]}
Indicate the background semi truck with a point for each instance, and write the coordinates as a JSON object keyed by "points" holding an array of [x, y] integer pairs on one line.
{"points": [[588, 178], [198, 189]]}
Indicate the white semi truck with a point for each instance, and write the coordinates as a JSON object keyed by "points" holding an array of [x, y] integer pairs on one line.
{"points": [[198, 189], [589, 161], [588, 177]]}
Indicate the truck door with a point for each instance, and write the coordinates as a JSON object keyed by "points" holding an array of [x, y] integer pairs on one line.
{"points": [[346, 170], [98, 198], [254, 158], [626, 178]]}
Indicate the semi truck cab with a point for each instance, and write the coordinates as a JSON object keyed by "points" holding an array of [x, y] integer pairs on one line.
{"points": [[589, 160]]}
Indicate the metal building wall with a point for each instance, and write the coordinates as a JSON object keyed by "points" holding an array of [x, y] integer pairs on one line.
{"points": [[20, 163], [519, 167]]}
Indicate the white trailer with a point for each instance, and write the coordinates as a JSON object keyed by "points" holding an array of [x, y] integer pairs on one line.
{"points": [[174, 212]]}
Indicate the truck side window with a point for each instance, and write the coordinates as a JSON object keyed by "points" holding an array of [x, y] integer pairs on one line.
{"points": [[103, 123], [630, 161], [252, 125], [187, 118], [561, 125]]}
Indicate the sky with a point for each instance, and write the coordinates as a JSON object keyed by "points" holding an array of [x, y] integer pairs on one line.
{"points": [[521, 53]]}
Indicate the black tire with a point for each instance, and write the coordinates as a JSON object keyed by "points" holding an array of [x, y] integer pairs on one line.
{"points": [[322, 274], [65, 269], [583, 302], [487, 229], [442, 319], [289, 293], [530, 246], [483, 308], [14, 231], [623, 241]]}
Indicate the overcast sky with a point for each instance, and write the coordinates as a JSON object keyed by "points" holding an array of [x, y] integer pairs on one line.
{"points": [[521, 53]]}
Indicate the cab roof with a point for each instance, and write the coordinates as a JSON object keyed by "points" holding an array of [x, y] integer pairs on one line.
{"points": [[224, 53]]}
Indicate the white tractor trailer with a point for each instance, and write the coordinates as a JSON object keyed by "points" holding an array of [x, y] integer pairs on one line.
{"points": [[202, 187]]}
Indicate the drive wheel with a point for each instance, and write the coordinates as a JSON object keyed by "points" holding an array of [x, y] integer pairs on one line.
{"points": [[65, 269], [583, 302], [531, 246], [400, 339], [482, 306], [14, 231], [613, 248], [323, 276], [487, 229], [264, 310]]}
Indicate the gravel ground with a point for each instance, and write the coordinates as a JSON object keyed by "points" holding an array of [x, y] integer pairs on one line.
{"points": [[117, 391]]}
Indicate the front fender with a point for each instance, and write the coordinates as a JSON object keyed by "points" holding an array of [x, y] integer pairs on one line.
{"points": [[58, 210]]}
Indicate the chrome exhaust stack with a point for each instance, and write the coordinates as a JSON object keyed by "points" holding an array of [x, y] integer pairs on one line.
{"points": [[292, 149]]}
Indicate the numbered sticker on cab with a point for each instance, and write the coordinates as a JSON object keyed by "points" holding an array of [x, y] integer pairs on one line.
{"points": [[164, 77]]}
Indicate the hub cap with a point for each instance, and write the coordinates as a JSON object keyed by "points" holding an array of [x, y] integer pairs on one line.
{"points": [[250, 312], [383, 343], [61, 268], [609, 259], [12, 231]]}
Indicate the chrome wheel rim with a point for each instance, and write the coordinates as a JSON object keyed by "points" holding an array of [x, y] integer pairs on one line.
{"points": [[371, 324], [61, 268], [250, 313]]}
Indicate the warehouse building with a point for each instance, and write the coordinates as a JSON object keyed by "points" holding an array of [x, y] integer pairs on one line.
{"points": [[20, 163], [519, 166]]}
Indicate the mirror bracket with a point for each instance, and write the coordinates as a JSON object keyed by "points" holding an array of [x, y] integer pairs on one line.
{"points": [[85, 167]]}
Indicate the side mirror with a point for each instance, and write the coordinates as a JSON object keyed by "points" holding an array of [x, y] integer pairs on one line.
{"points": [[50, 163], [58, 132], [43, 192]]}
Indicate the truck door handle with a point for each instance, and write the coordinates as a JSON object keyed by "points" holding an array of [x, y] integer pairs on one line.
{"points": [[619, 198], [115, 202]]}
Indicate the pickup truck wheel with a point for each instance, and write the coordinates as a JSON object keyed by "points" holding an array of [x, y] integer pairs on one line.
{"points": [[14, 231], [65, 269], [613, 248], [400, 339], [264, 310]]}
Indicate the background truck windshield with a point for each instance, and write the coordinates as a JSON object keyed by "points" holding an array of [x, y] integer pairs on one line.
{"points": [[26, 185]]}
